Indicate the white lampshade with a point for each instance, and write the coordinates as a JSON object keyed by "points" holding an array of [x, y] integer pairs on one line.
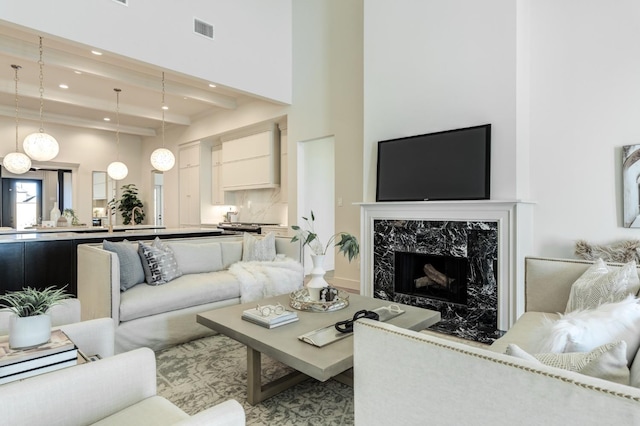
{"points": [[17, 162], [162, 159], [41, 146], [117, 170]]}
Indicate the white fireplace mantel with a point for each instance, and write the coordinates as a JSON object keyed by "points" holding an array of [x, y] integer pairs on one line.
{"points": [[515, 233]]}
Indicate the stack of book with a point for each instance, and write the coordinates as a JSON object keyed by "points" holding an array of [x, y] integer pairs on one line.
{"points": [[269, 321], [16, 364]]}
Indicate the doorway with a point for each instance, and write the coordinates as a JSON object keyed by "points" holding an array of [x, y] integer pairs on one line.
{"points": [[316, 191], [24, 206], [158, 197]]}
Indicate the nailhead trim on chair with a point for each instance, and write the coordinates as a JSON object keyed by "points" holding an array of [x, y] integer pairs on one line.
{"points": [[510, 364]]}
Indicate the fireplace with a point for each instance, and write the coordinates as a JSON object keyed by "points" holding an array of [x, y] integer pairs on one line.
{"points": [[464, 259], [441, 278]]}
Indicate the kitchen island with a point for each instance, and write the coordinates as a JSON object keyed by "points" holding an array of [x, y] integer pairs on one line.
{"points": [[42, 259]]}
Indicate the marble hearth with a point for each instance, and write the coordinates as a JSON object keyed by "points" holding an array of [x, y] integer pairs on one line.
{"points": [[487, 240]]}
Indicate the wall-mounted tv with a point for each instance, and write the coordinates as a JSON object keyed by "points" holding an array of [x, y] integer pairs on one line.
{"points": [[449, 165]]}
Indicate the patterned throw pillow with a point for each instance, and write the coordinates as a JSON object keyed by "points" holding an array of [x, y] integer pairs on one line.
{"points": [[260, 249], [158, 262], [599, 285], [608, 362]]}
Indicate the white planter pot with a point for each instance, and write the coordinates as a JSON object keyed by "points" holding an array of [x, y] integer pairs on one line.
{"points": [[317, 281], [27, 332]]}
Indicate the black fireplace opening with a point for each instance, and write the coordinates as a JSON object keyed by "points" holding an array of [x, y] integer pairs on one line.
{"points": [[431, 276]]}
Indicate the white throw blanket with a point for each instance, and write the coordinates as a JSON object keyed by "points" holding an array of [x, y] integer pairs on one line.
{"points": [[265, 279]]}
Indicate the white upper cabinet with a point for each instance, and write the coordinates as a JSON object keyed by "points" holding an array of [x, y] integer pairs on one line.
{"points": [[251, 161]]}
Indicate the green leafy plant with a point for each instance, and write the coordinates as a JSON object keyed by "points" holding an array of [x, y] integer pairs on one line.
{"points": [[30, 302], [70, 214], [347, 245], [127, 202]]}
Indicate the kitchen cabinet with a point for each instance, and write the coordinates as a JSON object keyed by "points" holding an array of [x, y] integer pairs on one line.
{"points": [[251, 161], [194, 181], [217, 193], [284, 166]]}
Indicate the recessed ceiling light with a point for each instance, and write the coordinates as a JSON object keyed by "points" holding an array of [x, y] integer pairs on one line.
{"points": [[164, 107], [95, 52], [63, 86], [212, 85], [106, 119], [77, 72]]}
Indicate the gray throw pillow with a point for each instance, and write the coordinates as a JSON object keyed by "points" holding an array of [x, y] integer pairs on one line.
{"points": [[158, 262], [131, 272]]}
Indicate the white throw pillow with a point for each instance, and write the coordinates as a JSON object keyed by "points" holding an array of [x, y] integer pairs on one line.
{"points": [[582, 331], [600, 284], [260, 249], [606, 362], [197, 258]]}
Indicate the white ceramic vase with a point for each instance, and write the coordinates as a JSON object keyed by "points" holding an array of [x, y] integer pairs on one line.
{"points": [[27, 332], [54, 215], [317, 281]]}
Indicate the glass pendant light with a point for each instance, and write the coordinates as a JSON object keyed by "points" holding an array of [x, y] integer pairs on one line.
{"points": [[41, 146], [117, 170], [163, 159], [16, 162]]}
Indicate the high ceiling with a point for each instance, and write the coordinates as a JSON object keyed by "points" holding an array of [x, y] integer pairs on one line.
{"points": [[91, 79]]}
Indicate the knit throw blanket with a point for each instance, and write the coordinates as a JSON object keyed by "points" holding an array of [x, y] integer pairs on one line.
{"points": [[266, 279]]}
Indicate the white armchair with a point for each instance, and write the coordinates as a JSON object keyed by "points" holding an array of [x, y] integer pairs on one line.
{"points": [[119, 390]]}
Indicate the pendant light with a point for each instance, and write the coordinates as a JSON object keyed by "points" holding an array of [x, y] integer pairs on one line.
{"points": [[41, 146], [117, 170], [17, 162], [163, 159]]}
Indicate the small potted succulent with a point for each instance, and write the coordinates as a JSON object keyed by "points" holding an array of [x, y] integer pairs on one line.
{"points": [[347, 245], [30, 325]]}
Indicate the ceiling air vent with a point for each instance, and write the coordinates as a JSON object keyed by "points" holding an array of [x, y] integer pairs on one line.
{"points": [[125, 2], [203, 28]]}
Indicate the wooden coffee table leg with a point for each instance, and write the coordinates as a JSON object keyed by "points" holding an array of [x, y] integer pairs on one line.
{"points": [[256, 391]]}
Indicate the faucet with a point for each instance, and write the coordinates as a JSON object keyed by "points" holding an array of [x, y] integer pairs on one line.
{"points": [[133, 214], [109, 217]]}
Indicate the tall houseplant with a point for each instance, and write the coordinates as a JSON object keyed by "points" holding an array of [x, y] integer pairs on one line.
{"points": [[30, 325], [347, 245], [127, 202]]}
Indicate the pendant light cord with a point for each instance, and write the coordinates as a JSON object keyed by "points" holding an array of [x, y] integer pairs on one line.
{"points": [[163, 108], [117, 123], [16, 68], [41, 64]]}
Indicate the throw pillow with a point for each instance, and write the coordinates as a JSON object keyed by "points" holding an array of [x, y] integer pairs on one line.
{"points": [[606, 362], [131, 272], [158, 262], [582, 331], [197, 258], [260, 249], [599, 285], [622, 251]]}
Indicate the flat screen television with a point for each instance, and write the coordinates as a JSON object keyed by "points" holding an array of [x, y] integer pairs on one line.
{"points": [[449, 165]]}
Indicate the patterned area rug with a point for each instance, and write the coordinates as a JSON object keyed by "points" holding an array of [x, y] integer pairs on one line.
{"points": [[208, 371]]}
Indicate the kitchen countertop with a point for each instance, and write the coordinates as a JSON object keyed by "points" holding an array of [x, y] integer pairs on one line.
{"points": [[139, 231], [41, 229]]}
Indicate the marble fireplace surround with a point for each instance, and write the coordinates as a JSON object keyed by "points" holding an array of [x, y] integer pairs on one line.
{"points": [[511, 222]]}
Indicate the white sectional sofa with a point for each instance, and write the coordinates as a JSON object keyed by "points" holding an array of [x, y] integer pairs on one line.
{"points": [[159, 316], [414, 378]]}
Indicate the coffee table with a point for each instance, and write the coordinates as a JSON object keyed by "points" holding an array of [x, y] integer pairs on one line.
{"points": [[281, 343]]}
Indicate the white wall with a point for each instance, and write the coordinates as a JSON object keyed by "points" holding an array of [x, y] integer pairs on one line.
{"points": [[250, 35], [432, 65], [557, 79]]}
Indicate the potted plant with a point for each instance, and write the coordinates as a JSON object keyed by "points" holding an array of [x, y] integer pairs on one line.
{"points": [[30, 325], [347, 245], [70, 214], [127, 202]]}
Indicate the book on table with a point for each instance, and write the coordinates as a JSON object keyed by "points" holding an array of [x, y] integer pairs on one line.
{"points": [[275, 316], [15, 364]]}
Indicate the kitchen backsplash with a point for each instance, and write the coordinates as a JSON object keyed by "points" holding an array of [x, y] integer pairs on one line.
{"points": [[254, 205]]}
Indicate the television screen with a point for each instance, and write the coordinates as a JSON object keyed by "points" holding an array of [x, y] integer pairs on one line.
{"points": [[448, 165]]}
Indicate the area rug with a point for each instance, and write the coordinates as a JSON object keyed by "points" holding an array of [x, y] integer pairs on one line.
{"points": [[199, 374]]}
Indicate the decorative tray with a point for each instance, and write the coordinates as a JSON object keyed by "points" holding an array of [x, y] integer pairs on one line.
{"points": [[301, 301]]}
